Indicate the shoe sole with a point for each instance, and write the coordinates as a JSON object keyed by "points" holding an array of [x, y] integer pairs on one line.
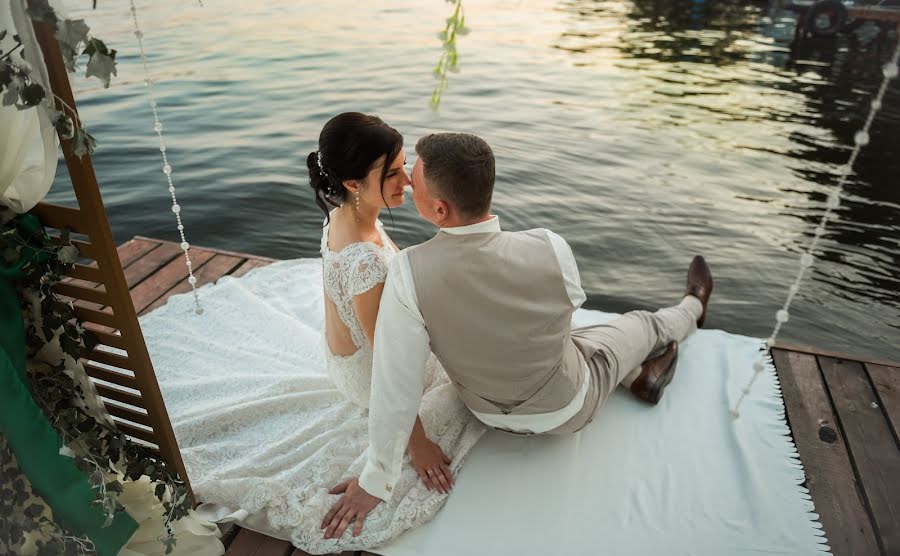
{"points": [[657, 391]]}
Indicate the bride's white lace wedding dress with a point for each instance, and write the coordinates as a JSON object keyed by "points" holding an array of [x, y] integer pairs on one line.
{"points": [[268, 420]]}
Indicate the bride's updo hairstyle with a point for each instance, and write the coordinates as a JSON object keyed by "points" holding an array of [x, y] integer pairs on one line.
{"points": [[349, 145]]}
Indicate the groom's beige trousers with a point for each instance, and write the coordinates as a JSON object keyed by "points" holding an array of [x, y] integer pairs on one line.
{"points": [[615, 350]]}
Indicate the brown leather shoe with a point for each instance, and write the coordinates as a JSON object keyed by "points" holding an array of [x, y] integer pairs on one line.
{"points": [[699, 284], [656, 374]]}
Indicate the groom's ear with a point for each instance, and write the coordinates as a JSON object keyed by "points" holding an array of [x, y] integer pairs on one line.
{"points": [[442, 211]]}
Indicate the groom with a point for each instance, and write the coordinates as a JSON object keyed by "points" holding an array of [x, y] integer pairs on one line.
{"points": [[495, 308]]}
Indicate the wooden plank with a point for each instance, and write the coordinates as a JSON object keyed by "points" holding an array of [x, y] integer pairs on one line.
{"points": [[165, 278], [215, 268], [85, 249], [219, 251], [59, 217], [106, 337], [86, 273], [229, 532], [872, 448], [111, 359], [251, 543], [128, 414], [134, 249], [128, 253], [145, 266], [109, 375], [887, 13], [887, 387], [120, 395], [820, 443], [837, 355], [248, 266], [89, 314], [75, 291], [135, 432]]}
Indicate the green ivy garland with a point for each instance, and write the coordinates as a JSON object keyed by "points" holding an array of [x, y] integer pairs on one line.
{"points": [[101, 451], [455, 26]]}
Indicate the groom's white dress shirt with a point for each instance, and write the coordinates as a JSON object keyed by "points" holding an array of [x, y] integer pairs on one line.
{"points": [[402, 347]]}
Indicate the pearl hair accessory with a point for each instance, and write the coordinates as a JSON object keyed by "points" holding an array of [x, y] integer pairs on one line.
{"points": [[324, 174], [860, 140], [167, 168]]}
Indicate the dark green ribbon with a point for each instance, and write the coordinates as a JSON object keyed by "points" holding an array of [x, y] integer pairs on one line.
{"points": [[31, 437]]}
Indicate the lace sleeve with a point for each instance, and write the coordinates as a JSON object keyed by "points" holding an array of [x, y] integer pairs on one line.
{"points": [[368, 270]]}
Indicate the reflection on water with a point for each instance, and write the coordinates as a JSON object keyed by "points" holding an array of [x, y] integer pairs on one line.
{"points": [[643, 131]]}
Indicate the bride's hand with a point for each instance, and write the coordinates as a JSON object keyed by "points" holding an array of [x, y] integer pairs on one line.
{"points": [[431, 463]]}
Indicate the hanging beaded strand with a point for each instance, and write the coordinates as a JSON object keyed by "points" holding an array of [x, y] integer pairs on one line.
{"points": [[860, 140], [167, 168]]}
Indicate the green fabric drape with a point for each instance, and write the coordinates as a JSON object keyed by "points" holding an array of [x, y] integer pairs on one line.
{"points": [[31, 437]]}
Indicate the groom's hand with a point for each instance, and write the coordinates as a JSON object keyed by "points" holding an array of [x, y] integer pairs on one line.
{"points": [[355, 503]]}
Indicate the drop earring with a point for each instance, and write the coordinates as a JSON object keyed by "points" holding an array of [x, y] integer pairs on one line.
{"points": [[357, 205]]}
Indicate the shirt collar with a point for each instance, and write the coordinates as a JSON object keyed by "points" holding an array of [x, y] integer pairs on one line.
{"points": [[490, 225]]}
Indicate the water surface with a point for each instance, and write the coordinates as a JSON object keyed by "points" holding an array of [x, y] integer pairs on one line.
{"points": [[643, 131]]}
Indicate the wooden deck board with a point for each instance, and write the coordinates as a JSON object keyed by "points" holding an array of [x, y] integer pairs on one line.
{"points": [[158, 283], [251, 543], [249, 265], [871, 446], [143, 267], [823, 452], [215, 268], [886, 381], [848, 446], [134, 249]]}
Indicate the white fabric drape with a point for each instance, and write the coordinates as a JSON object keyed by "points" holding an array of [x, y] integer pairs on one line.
{"points": [[28, 140]]}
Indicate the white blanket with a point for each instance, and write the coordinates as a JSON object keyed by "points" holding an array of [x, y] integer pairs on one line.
{"points": [[678, 478]]}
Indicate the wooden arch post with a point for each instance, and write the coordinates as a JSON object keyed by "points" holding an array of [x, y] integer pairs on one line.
{"points": [[127, 382]]}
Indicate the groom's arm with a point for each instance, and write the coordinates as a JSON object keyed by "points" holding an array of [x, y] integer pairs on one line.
{"points": [[401, 350]]}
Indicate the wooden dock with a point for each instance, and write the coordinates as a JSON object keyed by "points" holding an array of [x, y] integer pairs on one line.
{"points": [[843, 411]]}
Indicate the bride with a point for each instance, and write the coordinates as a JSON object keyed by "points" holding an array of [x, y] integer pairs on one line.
{"points": [[267, 436]]}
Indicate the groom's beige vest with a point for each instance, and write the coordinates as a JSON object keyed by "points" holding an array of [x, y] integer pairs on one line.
{"points": [[498, 314]]}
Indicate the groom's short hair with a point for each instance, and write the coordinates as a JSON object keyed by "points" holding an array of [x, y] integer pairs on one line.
{"points": [[459, 167]]}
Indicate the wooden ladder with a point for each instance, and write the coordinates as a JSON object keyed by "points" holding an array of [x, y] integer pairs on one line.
{"points": [[120, 366]]}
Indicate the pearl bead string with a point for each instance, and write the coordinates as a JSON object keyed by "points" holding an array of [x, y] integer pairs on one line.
{"points": [[167, 168], [860, 140]]}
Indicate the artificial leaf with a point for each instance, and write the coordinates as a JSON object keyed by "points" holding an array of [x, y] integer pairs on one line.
{"points": [[33, 94], [2, 34], [12, 90], [71, 32], [41, 11], [114, 486], [70, 346], [96, 45], [68, 254], [90, 342], [64, 125], [102, 67], [82, 142]]}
